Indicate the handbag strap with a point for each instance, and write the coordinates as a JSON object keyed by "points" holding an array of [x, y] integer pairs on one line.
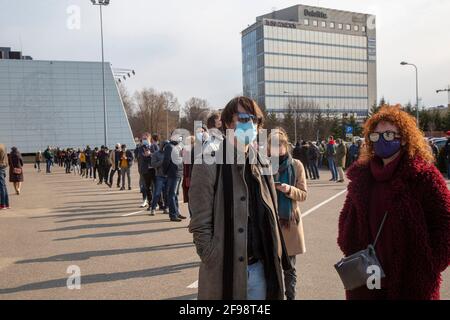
{"points": [[379, 230]]}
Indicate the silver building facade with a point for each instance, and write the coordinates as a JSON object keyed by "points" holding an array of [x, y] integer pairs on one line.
{"points": [[311, 59], [59, 103]]}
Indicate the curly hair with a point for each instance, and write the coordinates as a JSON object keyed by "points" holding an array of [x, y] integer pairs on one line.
{"points": [[415, 146]]}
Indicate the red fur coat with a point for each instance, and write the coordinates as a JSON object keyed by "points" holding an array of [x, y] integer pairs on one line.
{"points": [[421, 241]]}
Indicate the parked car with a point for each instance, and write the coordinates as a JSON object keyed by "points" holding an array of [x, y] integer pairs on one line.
{"points": [[439, 142]]}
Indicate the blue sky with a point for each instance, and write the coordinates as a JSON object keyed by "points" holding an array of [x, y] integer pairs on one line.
{"points": [[193, 48]]}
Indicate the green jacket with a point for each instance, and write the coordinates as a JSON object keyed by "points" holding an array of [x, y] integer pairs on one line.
{"points": [[341, 152]]}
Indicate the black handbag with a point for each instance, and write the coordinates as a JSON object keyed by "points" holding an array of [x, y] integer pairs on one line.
{"points": [[353, 269]]}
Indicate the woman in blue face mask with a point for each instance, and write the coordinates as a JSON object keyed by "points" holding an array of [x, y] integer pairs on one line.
{"points": [[395, 180]]}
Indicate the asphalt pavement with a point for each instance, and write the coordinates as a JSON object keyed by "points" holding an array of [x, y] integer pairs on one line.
{"points": [[62, 224]]}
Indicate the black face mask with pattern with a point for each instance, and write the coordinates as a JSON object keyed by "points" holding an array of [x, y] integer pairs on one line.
{"points": [[282, 158]]}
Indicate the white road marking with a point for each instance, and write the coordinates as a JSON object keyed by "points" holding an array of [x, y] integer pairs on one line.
{"points": [[323, 203], [132, 214], [193, 285]]}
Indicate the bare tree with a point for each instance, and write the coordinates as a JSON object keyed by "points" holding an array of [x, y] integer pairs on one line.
{"points": [[151, 107], [195, 109], [127, 100]]}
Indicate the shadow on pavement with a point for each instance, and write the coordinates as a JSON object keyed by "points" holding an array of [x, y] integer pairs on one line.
{"points": [[102, 277], [105, 225], [120, 234], [80, 256]]}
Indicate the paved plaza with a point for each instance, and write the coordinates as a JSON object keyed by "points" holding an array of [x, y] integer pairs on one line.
{"points": [[61, 221]]}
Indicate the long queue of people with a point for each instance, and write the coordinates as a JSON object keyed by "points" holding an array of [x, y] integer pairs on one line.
{"points": [[246, 218], [336, 155]]}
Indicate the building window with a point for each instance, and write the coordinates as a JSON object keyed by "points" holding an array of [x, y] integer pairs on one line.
{"points": [[315, 23], [348, 27], [332, 25], [306, 22], [356, 28], [363, 29], [323, 24], [340, 26]]}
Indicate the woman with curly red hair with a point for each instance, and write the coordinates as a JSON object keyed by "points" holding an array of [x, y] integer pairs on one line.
{"points": [[395, 178]]}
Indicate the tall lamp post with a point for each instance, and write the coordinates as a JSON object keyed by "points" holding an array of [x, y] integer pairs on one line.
{"points": [[403, 63], [102, 3]]}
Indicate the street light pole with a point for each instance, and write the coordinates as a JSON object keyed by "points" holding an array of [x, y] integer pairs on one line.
{"points": [[102, 3], [403, 63]]}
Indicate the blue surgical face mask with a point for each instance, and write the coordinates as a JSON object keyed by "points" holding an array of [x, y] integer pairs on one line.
{"points": [[199, 136], [246, 132], [386, 149], [145, 142]]}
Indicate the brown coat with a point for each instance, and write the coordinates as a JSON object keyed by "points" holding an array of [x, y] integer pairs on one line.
{"points": [[294, 236], [15, 162], [207, 226]]}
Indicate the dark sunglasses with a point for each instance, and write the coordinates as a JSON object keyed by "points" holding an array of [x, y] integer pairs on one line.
{"points": [[387, 136], [245, 117]]}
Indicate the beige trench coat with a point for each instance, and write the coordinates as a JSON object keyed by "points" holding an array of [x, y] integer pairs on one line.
{"points": [[207, 223], [294, 235]]}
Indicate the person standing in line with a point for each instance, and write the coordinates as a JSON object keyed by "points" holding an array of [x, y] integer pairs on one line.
{"points": [[234, 222], [305, 159], [48, 155], [102, 164], [160, 180], [395, 180], [214, 129], [321, 146], [154, 147], [173, 168], [88, 153], [95, 163], [291, 190], [353, 151], [108, 164], [75, 162], [115, 161], [331, 154], [145, 153], [38, 160], [341, 153], [188, 162], [314, 155], [126, 162], [15, 163], [4, 198], [297, 152], [82, 159], [194, 152], [141, 178], [68, 160]]}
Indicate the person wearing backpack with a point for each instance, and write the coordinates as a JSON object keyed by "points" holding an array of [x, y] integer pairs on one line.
{"points": [[290, 182], [48, 155], [160, 180]]}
